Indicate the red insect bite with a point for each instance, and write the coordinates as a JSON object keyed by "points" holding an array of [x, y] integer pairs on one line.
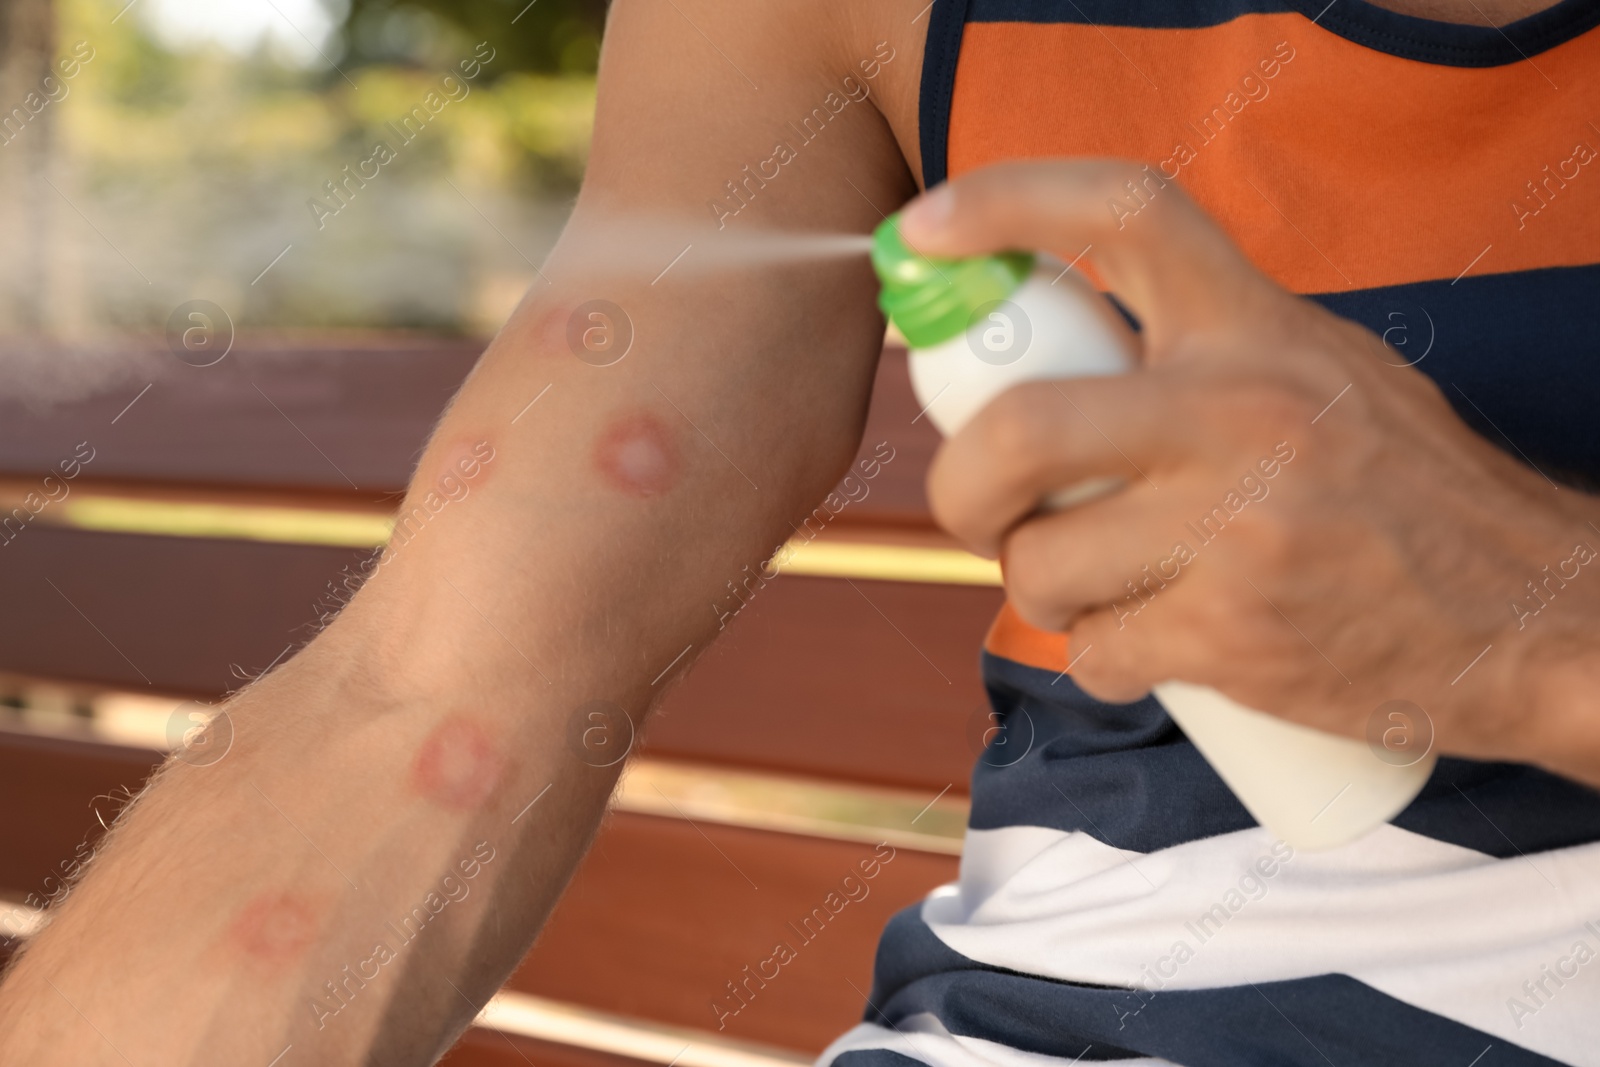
{"points": [[636, 455], [550, 331], [463, 466], [275, 928], [457, 766]]}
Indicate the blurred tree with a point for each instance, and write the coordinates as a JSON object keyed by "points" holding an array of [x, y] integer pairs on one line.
{"points": [[27, 46], [543, 36]]}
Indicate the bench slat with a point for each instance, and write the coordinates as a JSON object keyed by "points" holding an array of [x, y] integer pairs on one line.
{"points": [[661, 916], [861, 680], [347, 420], [664, 914]]}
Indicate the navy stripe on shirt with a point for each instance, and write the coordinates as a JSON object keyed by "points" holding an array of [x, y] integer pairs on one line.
{"points": [[1424, 40], [1126, 775], [1517, 355]]}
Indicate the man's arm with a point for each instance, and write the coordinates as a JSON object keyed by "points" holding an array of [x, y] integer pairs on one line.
{"points": [[405, 800]]}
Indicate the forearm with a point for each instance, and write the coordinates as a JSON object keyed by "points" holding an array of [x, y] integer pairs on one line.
{"points": [[1570, 743], [233, 893]]}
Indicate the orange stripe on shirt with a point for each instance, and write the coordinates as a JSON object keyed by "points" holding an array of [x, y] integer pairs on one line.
{"points": [[1339, 173], [1019, 642]]}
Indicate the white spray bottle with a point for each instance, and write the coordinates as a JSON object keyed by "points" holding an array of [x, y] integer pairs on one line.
{"points": [[981, 325]]}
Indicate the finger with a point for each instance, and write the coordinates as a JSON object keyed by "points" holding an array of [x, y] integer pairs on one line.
{"points": [[1164, 258], [1041, 437], [1122, 552], [1118, 662]]}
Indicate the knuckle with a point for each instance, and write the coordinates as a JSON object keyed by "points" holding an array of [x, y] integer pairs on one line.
{"points": [[1092, 678], [1017, 425], [1035, 591], [1112, 666], [1034, 599], [1273, 409], [1111, 177], [1274, 540], [952, 508], [1045, 591], [1218, 624], [1024, 558]]}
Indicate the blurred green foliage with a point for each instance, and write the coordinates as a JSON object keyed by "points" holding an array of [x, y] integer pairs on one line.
{"points": [[524, 125], [203, 165], [542, 36]]}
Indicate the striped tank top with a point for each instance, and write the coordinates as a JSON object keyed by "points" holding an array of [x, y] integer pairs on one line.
{"points": [[1441, 185]]}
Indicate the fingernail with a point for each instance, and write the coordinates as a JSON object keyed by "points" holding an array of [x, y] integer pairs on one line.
{"points": [[928, 213]]}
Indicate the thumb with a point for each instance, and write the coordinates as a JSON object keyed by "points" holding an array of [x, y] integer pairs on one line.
{"points": [[1164, 258]]}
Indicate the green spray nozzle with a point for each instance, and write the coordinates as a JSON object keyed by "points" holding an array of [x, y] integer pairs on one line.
{"points": [[931, 299]]}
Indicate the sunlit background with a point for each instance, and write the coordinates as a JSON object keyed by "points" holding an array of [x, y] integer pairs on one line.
{"points": [[186, 156]]}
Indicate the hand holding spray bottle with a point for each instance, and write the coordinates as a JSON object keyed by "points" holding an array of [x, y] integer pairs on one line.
{"points": [[960, 316]]}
